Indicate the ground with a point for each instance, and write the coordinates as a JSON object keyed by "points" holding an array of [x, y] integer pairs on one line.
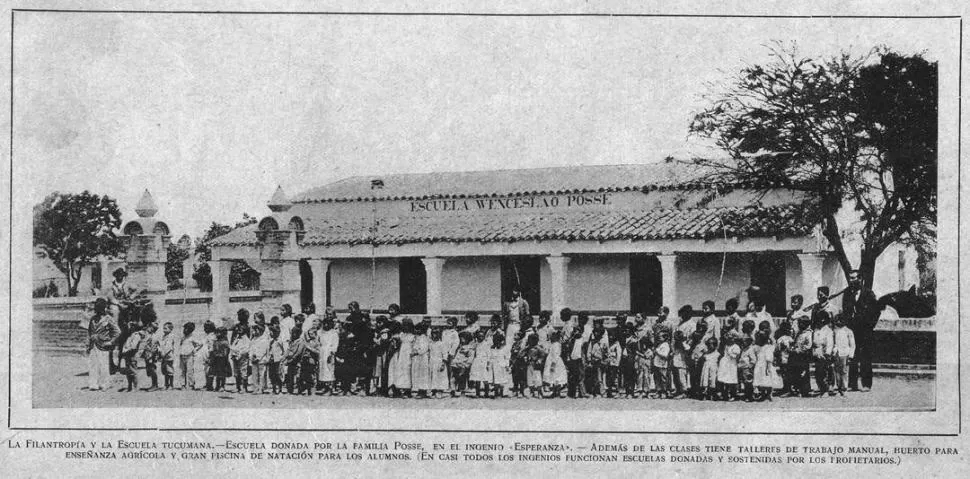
{"points": [[61, 381]]}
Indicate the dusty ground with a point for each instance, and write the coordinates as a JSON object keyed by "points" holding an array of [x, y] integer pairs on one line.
{"points": [[61, 381]]}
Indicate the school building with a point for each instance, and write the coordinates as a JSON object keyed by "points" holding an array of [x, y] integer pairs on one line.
{"points": [[602, 239]]}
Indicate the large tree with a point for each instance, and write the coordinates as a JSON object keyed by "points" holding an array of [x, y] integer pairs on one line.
{"points": [[856, 131], [74, 229]]}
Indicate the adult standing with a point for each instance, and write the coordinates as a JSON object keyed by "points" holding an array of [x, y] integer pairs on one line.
{"points": [[103, 333], [861, 309], [516, 309]]}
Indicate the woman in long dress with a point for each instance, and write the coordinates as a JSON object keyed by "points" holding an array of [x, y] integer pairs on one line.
{"points": [[421, 361], [329, 339], [399, 371]]}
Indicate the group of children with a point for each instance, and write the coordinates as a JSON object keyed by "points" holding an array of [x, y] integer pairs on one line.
{"points": [[708, 358]]}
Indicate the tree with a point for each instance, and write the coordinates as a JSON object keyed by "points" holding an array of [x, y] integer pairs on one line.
{"points": [[74, 229], [844, 129], [174, 260], [241, 275]]}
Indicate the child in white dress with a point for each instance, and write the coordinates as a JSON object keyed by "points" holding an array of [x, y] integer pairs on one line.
{"points": [[554, 372], [499, 367], [709, 370], [438, 363], [727, 369], [479, 371]]}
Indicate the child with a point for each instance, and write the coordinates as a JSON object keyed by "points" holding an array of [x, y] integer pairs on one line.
{"points": [[842, 352], [187, 349], [219, 359], [695, 363], [661, 363], [308, 363], [239, 353], [499, 365], [574, 354], [166, 349], [259, 356], [150, 353], [597, 354], [461, 363], [822, 346], [129, 357], [276, 355], [709, 369], [783, 348], [382, 353], [612, 366], [293, 357], [329, 342], [520, 363], [628, 365], [727, 369], [679, 363], [801, 358], [536, 360], [421, 361], [438, 363], [554, 369], [645, 366], [765, 375], [479, 373], [746, 366], [202, 366], [399, 370]]}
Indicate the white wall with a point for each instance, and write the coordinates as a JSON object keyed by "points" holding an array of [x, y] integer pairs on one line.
{"points": [[471, 283], [698, 276], [350, 280], [597, 283]]}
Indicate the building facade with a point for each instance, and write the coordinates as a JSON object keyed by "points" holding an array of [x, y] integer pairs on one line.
{"points": [[603, 239]]}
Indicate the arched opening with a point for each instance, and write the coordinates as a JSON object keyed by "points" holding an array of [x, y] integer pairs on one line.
{"points": [[132, 228], [268, 224], [306, 285], [295, 224], [160, 229]]}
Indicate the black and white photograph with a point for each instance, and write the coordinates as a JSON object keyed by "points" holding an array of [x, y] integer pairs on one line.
{"points": [[670, 223]]}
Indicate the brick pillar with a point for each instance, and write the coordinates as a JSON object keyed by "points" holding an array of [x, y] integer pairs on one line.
{"points": [[279, 270]]}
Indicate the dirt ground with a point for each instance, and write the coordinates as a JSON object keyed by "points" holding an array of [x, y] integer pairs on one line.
{"points": [[60, 381]]}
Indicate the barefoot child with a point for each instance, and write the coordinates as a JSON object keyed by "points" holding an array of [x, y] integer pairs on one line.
{"points": [[765, 375], [166, 349], [479, 373], [499, 365], [219, 359], [277, 352], [709, 370], [438, 364], [462, 362], [661, 363], [554, 370], [187, 349], [727, 369], [129, 357], [536, 359]]}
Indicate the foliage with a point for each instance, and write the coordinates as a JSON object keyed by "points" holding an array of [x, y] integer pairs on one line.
{"points": [[846, 129], [74, 229], [241, 275], [174, 259]]}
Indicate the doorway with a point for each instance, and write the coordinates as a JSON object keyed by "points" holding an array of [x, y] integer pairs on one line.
{"points": [[414, 286], [768, 274], [306, 285], [521, 272], [646, 284]]}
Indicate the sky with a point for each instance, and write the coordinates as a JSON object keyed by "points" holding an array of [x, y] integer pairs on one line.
{"points": [[212, 112]]}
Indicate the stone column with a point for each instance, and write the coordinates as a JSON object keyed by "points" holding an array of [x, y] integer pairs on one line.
{"points": [[188, 267], [319, 268], [812, 264], [432, 269], [668, 269], [220, 289], [558, 268]]}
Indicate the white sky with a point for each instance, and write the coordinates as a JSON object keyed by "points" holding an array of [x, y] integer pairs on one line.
{"points": [[211, 112]]}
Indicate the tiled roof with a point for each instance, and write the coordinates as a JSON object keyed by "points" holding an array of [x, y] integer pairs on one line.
{"points": [[557, 180], [654, 224]]}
